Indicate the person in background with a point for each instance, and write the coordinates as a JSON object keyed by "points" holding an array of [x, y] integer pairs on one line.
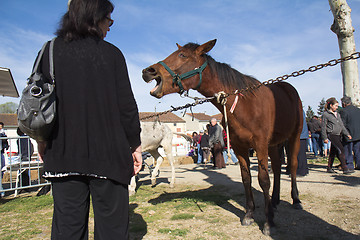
{"points": [[326, 147], [350, 116], [25, 151], [225, 152], [92, 89], [314, 127], [3, 146], [195, 143], [309, 143], [204, 145], [331, 129], [200, 152], [302, 169], [216, 143]]}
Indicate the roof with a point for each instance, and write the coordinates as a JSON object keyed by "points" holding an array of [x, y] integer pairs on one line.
{"points": [[7, 84], [9, 119], [218, 116], [200, 116], [168, 117]]}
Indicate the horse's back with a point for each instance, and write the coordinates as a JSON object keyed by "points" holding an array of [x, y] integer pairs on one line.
{"points": [[288, 112]]}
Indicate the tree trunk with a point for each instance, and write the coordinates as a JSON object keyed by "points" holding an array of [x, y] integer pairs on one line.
{"points": [[343, 29]]}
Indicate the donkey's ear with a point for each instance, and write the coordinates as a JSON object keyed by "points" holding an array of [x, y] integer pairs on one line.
{"points": [[206, 47], [179, 46]]}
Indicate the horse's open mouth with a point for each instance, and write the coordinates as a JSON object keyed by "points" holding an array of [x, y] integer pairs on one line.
{"points": [[157, 89]]}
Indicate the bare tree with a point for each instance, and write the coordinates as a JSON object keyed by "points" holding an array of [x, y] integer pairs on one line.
{"points": [[342, 27]]}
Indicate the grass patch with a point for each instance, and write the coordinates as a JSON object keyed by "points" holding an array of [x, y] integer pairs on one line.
{"points": [[182, 216], [174, 232]]}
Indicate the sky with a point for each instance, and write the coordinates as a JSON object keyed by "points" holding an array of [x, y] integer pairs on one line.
{"points": [[261, 38]]}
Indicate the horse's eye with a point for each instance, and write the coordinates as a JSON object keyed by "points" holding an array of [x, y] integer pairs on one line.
{"points": [[182, 55]]}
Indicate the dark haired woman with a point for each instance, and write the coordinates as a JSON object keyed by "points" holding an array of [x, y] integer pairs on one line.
{"points": [[93, 92], [332, 128]]}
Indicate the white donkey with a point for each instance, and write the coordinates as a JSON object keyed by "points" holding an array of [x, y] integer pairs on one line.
{"points": [[153, 136]]}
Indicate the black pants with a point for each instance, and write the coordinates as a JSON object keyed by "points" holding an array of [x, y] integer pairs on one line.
{"points": [[338, 150], [71, 208]]}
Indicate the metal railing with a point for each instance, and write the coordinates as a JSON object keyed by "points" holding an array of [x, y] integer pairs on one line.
{"points": [[20, 167]]}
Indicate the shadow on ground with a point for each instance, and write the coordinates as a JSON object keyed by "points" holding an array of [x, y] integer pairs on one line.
{"points": [[291, 223]]}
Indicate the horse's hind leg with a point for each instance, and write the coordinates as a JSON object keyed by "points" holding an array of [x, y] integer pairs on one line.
{"points": [[170, 157], [276, 168], [294, 146], [159, 160]]}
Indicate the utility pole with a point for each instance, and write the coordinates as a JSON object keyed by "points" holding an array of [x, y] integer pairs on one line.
{"points": [[342, 27]]}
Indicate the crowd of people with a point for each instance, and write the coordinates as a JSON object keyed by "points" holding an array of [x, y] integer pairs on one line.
{"points": [[210, 146], [335, 134]]}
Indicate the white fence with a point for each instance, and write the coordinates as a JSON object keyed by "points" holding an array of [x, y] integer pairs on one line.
{"points": [[20, 168]]}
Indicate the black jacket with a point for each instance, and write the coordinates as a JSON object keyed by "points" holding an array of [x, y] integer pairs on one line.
{"points": [[314, 126], [350, 116], [97, 116]]}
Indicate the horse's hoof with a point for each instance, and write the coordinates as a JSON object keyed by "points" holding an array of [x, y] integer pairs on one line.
{"points": [[247, 221], [297, 206], [269, 229]]}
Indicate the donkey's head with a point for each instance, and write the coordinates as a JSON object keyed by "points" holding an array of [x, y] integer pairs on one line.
{"points": [[180, 71]]}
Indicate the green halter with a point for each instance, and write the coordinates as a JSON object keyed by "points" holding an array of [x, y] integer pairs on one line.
{"points": [[178, 78]]}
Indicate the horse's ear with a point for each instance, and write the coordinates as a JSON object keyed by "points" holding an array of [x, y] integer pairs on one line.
{"points": [[179, 46], [206, 47]]}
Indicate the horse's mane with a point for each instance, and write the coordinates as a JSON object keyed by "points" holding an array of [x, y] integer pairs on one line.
{"points": [[227, 75]]}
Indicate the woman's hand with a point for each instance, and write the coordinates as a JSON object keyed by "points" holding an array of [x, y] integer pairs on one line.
{"points": [[349, 137], [137, 157]]}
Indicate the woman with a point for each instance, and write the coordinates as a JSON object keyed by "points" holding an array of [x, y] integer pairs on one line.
{"points": [[94, 148], [332, 128]]}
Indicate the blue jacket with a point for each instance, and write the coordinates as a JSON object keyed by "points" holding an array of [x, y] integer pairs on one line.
{"points": [[305, 132]]}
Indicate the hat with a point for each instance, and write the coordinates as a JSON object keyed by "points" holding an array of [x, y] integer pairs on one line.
{"points": [[201, 131]]}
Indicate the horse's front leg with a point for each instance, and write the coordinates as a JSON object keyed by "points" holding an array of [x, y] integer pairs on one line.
{"points": [[264, 182], [159, 160], [132, 186], [246, 179]]}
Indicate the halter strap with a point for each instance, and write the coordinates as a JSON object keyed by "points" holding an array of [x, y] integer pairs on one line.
{"points": [[178, 78]]}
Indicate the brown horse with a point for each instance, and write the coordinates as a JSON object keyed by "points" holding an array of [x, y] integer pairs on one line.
{"points": [[264, 116]]}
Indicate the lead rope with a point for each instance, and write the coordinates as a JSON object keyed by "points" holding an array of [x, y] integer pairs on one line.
{"points": [[221, 98]]}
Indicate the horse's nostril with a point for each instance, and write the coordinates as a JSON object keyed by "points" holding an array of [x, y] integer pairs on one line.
{"points": [[149, 70]]}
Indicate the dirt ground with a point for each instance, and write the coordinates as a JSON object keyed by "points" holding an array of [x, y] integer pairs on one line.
{"points": [[331, 203]]}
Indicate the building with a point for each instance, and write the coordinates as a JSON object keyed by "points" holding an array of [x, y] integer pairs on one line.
{"points": [[196, 121]]}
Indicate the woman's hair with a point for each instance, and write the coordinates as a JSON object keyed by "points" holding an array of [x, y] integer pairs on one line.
{"points": [[83, 18], [330, 101]]}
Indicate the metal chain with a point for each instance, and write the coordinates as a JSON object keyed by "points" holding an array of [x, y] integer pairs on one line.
{"points": [[314, 68], [189, 105]]}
